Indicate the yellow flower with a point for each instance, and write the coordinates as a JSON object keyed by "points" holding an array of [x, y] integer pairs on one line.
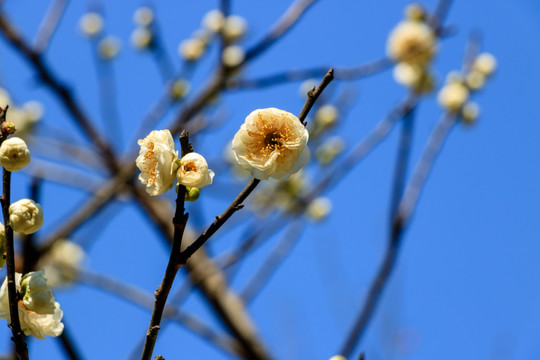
{"points": [[271, 142]]}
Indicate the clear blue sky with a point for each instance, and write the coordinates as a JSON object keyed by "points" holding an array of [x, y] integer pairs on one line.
{"points": [[465, 286]]}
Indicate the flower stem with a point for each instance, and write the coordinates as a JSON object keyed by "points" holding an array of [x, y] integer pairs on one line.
{"points": [[15, 325]]}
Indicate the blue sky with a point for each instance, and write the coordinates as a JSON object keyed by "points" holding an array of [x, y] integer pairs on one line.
{"points": [[465, 285]]}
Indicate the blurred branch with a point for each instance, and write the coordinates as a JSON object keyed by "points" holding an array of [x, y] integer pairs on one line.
{"points": [[340, 73], [280, 28], [145, 300], [399, 224], [270, 265], [60, 90], [49, 25]]}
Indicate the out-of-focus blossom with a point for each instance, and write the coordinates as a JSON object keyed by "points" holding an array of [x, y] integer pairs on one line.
{"points": [[91, 24], [109, 47], [25, 216], [233, 55], [144, 16], [412, 42], [191, 49], [452, 96]]}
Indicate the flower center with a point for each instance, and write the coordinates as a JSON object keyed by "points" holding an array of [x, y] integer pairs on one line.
{"points": [[190, 166]]}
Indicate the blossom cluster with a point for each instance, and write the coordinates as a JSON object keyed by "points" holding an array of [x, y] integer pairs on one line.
{"points": [[160, 166], [270, 143], [413, 44]]}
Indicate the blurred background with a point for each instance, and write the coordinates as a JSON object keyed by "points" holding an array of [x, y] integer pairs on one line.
{"points": [[465, 282]]}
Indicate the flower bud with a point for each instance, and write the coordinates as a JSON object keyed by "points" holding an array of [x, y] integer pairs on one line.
{"points": [[25, 216], [213, 20], [191, 49], [475, 80], [233, 55], [326, 116], [470, 112], [194, 172], [14, 154], [192, 194], [141, 38], [179, 89], [485, 63], [109, 47], [452, 96], [36, 294], [8, 128], [144, 16], [319, 208], [234, 28], [415, 12], [91, 24]]}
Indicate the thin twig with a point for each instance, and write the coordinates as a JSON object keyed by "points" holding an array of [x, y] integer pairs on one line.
{"points": [[59, 89], [340, 73], [280, 28], [272, 262], [400, 222], [13, 295], [179, 222], [49, 25], [145, 300]]}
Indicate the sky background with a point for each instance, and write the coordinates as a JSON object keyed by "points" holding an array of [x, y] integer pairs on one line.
{"points": [[466, 283]]}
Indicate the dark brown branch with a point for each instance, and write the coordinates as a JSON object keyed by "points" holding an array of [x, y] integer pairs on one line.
{"points": [[179, 222], [280, 28], [13, 295]]}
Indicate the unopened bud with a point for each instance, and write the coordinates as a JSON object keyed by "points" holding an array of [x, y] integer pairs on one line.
{"points": [[192, 194]]}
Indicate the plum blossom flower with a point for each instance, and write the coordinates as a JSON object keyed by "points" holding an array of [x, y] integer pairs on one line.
{"points": [[271, 142], [157, 162], [62, 263], [412, 42], [39, 314], [25, 216], [453, 96], [193, 171], [14, 154]]}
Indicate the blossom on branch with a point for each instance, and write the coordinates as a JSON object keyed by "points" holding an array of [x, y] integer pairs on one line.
{"points": [[194, 172], [25, 216], [39, 314], [412, 42], [271, 142], [14, 154], [157, 162]]}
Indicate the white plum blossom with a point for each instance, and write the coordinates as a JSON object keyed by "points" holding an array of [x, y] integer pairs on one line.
{"points": [[191, 49], [452, 96], [412, 42], [485, 63], [62, 262], [233, 55], [91, 24], [141, 38], [213, 20], [271, 142], [144, 16], [194, 172], [39, 314], [157, 162], [234, 28], [109, 47], [25, 216], [14, 154]]}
